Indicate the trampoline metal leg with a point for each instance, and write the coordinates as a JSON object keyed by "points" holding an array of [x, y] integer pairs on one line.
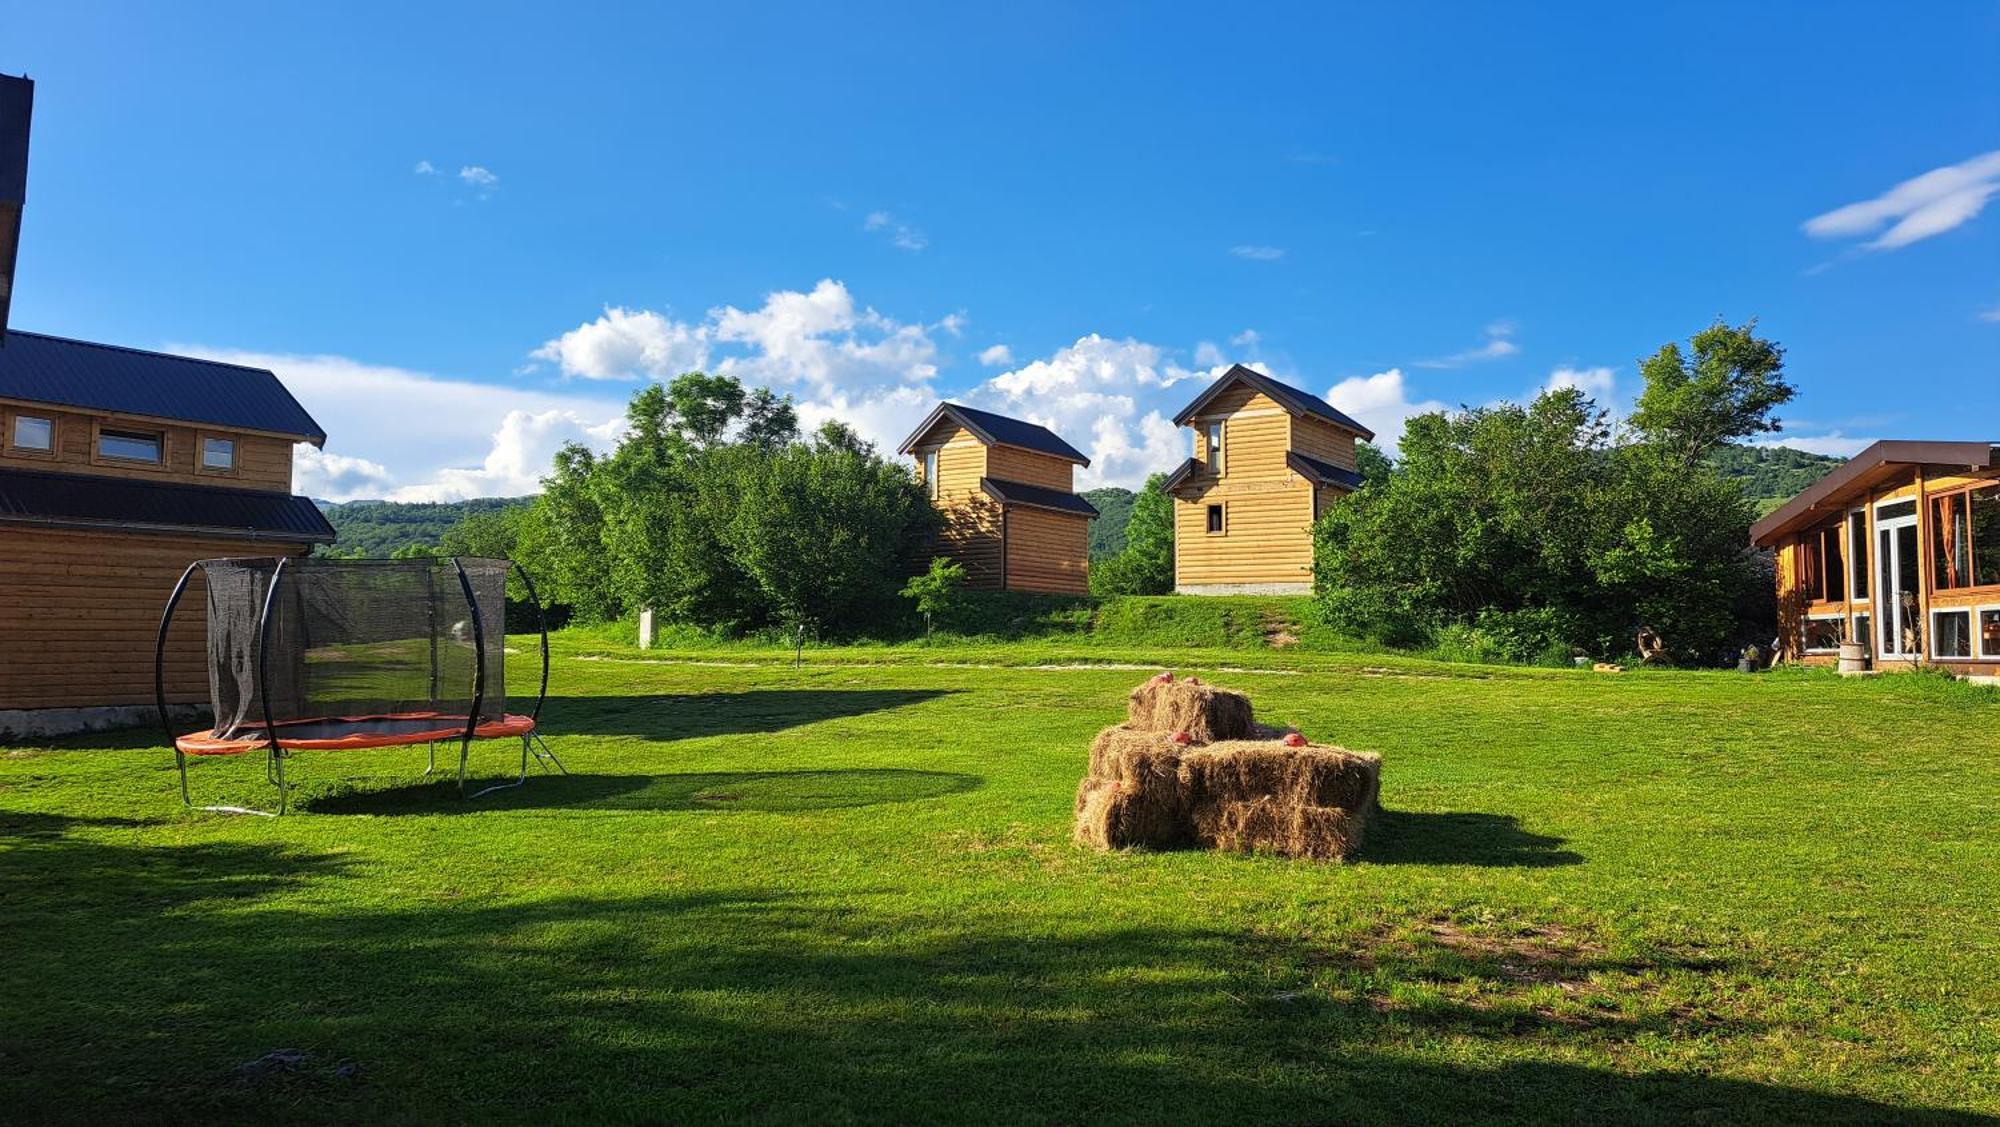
{"points": [[187, 799], [464, 754], [517, 782], [543, 754], [432, 748]]}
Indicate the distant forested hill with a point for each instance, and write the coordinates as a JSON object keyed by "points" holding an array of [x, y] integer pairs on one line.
{"points": [[1772, 475], [377, 528], [1107, 532]]}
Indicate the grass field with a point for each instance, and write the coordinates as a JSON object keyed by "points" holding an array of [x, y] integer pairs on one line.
{"points": [[847, 892]]}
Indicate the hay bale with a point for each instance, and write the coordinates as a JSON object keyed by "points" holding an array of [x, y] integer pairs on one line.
{"points": [[1204, 712], [1273, 825], [1313, 775], [1131, 794]]}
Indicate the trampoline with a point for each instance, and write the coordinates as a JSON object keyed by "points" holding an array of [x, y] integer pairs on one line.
{"points": [[310, 654]]}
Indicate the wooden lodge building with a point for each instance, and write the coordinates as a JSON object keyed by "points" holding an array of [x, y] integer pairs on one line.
{"points": [[1899, 551], [118, 468], [1012, 518], [1268, 459]]}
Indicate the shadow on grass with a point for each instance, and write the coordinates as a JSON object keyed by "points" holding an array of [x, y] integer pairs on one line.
{"points": [[691, 715], [1401, 837], [778, 792], [162, 969]]}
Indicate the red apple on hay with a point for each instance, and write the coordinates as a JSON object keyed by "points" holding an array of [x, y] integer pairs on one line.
{"points": [[1183, 738], [1294, 739]]}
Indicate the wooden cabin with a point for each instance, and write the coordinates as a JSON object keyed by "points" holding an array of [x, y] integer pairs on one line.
{"points": [[1268, 458], [1006, 489], [118, 468], [1898, 550]]}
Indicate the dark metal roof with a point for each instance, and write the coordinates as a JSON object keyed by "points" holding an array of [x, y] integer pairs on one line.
{"points": [[104, 377], [17, 104], [996, 430], [116, 504], [1036, 496], [1863, 472], [1181, 473], [1290, 398], [1322, 472]]}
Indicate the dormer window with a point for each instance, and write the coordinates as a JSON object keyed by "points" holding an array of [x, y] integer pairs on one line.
{"points": [[218, 453], [1211, 440], [34, 433]]}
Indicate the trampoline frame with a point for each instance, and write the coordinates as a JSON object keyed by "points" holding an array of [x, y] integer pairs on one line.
{"points": [[275, 753]]}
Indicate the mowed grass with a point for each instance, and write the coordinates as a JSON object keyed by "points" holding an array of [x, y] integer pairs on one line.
{"points": [[847, 892]]}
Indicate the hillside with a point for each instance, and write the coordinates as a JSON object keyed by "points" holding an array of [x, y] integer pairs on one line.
{"points": [[377, 528], [1107, 532]]}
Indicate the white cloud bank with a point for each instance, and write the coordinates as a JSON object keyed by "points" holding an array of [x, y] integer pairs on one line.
{"points": [[1257, 253], [1498, 343], [1917, 208]]}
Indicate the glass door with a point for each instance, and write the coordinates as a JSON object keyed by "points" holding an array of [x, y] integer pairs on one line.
{"points": [[1899, 618]]}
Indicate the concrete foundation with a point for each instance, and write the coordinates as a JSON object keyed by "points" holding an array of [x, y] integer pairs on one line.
{"points": [[20, 724], [1244, 589]]}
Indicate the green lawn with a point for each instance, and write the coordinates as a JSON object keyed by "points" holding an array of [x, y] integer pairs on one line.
{"points": [[848, 892]]}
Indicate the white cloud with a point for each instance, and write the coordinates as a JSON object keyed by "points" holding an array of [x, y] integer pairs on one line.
{"points": [[628, 344], [1833, 443], [1248, 338], [1498, 343], [998, 356], [397, 433], [1207, 355], [425, 168], [1990, 316], [1256, 253], [478, 176], [884, 417], [900, 234], [1381, 402], [1916, 209], [1598, 383]]}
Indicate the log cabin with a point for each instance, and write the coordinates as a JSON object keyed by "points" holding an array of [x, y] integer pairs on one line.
{"points": [[1897, 551], [1005, 488], [118, 468], [1268, 459]]}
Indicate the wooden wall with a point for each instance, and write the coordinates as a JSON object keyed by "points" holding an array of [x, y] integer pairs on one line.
{"points": [[971, 533], [1047, 551], [1010, 463], [262, 462], [1320, 439], [1267, 508], [82, 610]]}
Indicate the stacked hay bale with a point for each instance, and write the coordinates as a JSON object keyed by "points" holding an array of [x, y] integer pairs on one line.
{"points": [[1191, 767]]}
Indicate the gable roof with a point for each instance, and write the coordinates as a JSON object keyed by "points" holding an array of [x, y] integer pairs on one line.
{"points": [[1036, 496], [996, 430], [1290, 398], [116, 504], [1863, 472], [129, 381]]}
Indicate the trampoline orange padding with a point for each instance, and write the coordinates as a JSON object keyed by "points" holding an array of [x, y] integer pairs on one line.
{"points": [[354, 733]]}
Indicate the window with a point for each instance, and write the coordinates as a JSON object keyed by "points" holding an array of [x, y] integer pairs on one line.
{"points": [[1824, 635], [1857, 543], [1211, 454], [1862, 632], [1822, 572], [129, 445], [218, 453], [1951, 634], [930, 473], [1989, 633], [33, 432], [1965, 539], [1215, 518]]}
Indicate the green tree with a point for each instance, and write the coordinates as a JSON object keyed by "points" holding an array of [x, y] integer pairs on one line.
{"points": [[937, 593], [1726, 389], [569, 527], [768, 421], [703, 406], [1372, 463], [1146, 566]]}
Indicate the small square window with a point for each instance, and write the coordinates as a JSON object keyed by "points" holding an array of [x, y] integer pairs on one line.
{"points": [[218, 453], [1989, 633], [1824, 635], [1951, 633], [32, 432], [129, 445], [1215, 518]]}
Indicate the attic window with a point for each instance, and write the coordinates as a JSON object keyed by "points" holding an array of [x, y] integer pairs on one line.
{"points": [[32, 432], [1212, 449], [930, 473], [129, 445], [218, 453]]}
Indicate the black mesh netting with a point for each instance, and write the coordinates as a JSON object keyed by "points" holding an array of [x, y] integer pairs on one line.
{"points": [[372, 639]]}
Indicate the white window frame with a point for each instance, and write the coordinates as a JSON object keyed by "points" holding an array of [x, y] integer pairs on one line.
{"points": [[1845, 629], [1971, 637], [228, 443], [1979, 637], [931, 474], [1212, 433], [14, 434]]}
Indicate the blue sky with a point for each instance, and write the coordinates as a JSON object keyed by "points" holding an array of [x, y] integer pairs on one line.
{"points": [[463, 234]]}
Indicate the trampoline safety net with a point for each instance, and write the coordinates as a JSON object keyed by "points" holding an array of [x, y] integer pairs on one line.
{"points": [[390, 640]]}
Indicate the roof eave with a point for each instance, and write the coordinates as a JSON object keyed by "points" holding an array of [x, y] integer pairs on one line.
{"points": [[1831, 490], [154, 529]]}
